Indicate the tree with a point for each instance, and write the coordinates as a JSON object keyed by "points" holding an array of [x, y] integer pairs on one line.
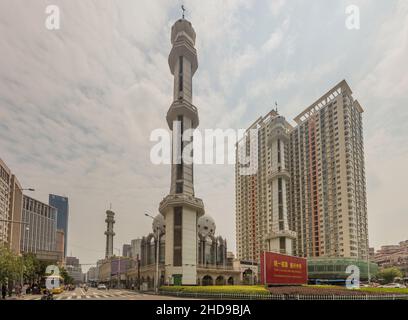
{"points": [[67, 278], [31, 266], [389, 274], [10, 265]]}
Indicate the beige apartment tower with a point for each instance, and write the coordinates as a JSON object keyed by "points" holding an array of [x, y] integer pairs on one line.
{"points": [[322, 188]]}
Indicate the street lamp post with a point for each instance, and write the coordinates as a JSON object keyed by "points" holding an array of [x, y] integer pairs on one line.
{"points": [[156, 282]]}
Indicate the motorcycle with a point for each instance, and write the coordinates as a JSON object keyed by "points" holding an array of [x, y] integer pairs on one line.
{"points": [[47, 295]]}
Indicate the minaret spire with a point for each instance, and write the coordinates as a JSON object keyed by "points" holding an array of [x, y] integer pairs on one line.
{"points": [[181, 208], [183, 9]]}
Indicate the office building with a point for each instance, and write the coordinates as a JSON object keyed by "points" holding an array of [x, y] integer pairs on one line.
{"points": [[60, 239], [40, 236], [62, 206], [11, 202]]}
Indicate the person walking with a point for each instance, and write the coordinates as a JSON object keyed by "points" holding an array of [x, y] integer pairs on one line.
{"points": [[3, 291]]}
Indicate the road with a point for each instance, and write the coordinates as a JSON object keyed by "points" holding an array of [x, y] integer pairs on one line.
{"points": [[95, 294]]}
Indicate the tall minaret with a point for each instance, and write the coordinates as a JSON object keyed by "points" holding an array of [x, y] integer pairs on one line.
{"points": [[280, 239], [181, 208], [110, 221]]}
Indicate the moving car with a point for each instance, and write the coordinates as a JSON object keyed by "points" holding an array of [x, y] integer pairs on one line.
{"points": [[102, 287]]}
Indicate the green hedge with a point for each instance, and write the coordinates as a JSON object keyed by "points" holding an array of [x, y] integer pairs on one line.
{"points": [[256, 290]]}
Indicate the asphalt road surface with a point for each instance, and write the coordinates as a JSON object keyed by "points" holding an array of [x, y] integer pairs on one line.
{"points": [[95, 294]]}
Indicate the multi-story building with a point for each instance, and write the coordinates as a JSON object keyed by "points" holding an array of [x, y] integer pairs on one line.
{"points": [[135, 248], [74, 269], [92, 274], [39, 235], [393, 256], [59, 239], [11, 201], [72, 261], [62, 206], [5, 177], [322, 190], [127, 250]]}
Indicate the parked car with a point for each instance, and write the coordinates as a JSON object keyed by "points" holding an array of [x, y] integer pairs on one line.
{"points": [[102, 287]]}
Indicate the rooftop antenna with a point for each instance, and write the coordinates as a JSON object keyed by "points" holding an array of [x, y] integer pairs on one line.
{"points": [[183, 9], [276, 105]]}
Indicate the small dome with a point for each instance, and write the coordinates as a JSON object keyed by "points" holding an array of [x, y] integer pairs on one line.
{"points": [[206, 226], [159, 223]]}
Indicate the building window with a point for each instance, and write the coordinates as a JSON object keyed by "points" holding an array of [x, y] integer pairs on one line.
{"points": [[178, 223], [180, 74], [179, 187], [179, 171], [282, 244]]}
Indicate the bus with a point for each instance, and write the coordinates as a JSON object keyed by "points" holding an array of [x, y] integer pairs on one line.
{"points": [[55, 284]]}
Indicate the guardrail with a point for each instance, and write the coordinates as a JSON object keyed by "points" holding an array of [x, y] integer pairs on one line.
{"points": [[237, 296]]}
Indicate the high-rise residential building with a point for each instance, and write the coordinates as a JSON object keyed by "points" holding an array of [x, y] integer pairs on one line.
{"points": [[311, 174], [62, 205], [40, 235], [11, 201]]}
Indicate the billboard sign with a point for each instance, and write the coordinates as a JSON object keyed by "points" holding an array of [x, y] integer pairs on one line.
{"points": [[280, 269]]}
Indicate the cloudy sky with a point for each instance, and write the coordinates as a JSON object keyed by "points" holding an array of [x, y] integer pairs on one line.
{"points": [[77, 105]]}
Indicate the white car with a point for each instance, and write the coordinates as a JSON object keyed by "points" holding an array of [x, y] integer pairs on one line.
{"points": [[102, 287]]}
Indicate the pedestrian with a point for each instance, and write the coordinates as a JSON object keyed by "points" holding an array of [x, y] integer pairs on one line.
{"points": [[133, 286], [17, 290], [3, 291]]}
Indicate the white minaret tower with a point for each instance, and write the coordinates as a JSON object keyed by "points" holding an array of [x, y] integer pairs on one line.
{"points": [[181, 208], [110, 221], [280, 239]]}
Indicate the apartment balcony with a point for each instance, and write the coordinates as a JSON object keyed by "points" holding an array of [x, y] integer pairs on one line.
{"points": [[283, 173]]}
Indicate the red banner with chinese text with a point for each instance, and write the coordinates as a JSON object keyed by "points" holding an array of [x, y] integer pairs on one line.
{"points": [[280, 269]]}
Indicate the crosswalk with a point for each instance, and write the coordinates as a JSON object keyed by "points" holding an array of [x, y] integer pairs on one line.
{"points": [[95, 295]]}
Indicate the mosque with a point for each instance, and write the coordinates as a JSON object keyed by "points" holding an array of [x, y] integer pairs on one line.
{"points": [[189, 251]]}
